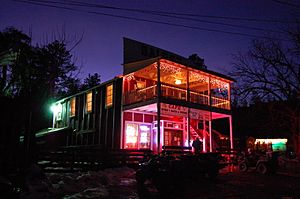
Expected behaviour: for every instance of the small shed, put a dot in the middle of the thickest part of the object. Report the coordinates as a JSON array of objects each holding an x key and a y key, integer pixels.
[{"x": 264, "y": 144}]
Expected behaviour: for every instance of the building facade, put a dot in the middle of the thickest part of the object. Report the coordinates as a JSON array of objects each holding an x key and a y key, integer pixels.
[{"x": 157, "y": 102}]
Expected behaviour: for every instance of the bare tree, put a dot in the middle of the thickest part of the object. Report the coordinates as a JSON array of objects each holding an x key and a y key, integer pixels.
[
  {"x": 91, "y": 81},
  {"x": 270, "y": 71}
]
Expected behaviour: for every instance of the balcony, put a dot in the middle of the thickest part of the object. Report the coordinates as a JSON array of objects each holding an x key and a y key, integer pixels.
[
  {"x": 171, "y": 92},
  {"x": 177, "y": 82}
]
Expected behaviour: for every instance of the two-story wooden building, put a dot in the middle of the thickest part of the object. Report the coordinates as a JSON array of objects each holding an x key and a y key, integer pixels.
[{"x": 160, "y": 101}]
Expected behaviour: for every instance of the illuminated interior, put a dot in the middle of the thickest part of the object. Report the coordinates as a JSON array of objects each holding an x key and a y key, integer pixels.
[
  {"x": 176, "y": 80},
  {"x": 278, "y": 144},
  {"x": 137, "y": 136},
  {"x": 140, "y": 125},
  {"x": 131, "y": 136},
  {"x": 109, "y": 96},
  {"x": 73, "y": 107},
  {"x": 89, "y": 102},
  {"x": 179, "y": 125}
]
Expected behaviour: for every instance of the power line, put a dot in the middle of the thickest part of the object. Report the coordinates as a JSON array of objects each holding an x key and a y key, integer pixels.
[
  {"x": 44, "y": 3},
  {"x": 193, "y": 15},
  {"x": 172, "y": 14},
  {"x": 287, "y": 3},
  {"x": 189, "y": 14},
  {"x": 158, "y": 13}
]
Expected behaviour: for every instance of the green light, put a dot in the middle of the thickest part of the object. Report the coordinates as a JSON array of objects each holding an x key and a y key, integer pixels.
[{"x": 279, "y": 147}]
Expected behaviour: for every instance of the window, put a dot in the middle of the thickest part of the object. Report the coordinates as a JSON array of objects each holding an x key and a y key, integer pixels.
[
  {"x": 144, "y": 136},
  {"x": 89, "y": 102},
  {"x": 137, "y": 136},
  {"x": 131, "y": 136},
  {"x": 73, "y": 107},
  {"x": 57, "y": 110},
  {"x": 109, "y": 95}
]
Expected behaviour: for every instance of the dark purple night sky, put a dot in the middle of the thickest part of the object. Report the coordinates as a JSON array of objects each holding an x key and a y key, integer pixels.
[{"x": 101, "y": 48}]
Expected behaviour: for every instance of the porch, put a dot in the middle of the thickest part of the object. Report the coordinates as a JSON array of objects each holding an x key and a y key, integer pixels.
[{"x": 145, "y": 127}]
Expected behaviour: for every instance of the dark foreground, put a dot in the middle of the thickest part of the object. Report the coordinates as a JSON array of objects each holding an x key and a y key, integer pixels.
[
  {"x": 120, "y": 183},
  {"x": 233, "y": 185}
]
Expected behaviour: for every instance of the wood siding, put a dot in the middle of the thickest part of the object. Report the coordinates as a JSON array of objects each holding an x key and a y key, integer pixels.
[{"x": 101, "y": 126}]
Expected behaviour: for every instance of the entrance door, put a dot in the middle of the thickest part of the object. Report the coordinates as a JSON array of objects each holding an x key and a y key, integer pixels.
[{"x": 173, "y": 138}]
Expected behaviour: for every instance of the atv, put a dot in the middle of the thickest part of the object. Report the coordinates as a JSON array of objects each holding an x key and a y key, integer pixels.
[
  {"x": 262, "y": 163},
  {"x": 168, "y": 172}
]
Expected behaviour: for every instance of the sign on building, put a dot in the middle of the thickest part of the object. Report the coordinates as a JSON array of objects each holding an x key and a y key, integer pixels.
[{"x": 174, "y": 110}]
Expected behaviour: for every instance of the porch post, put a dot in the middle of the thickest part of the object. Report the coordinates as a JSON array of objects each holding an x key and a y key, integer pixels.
[
  {"x": 122, "y": 131},
  {"x": 188, "y": 99},
  {"x": 230, "y": 130},
  {"x": 122, "y": 114},
  {"x": 188, "y": 128},
  {"x": 210, "y": 132},
  {"x": 210, "y": 116},
  {"x": 204, "y": 137},
  {"x": 158, "y": 105}
]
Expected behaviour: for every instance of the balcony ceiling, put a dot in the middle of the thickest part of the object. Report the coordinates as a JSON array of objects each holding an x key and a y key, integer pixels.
[
  {"x": 141, "y": 65},
  {"x": 152, "y": 109}
]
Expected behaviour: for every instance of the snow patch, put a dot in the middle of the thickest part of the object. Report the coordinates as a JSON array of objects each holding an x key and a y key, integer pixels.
[{"x": 108, "y": 183}]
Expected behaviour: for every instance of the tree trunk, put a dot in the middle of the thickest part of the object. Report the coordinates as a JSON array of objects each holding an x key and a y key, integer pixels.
[
  {"x": 4, "y": 77},
  {"x": 297, "y": 131}
]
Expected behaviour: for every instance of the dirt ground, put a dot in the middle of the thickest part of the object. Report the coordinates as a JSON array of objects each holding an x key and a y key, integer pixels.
[
  {"x": 120, "y": 183},
  {"x": 233, "y": 185}
]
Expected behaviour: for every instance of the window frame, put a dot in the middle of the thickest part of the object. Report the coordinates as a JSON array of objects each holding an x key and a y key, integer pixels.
[
  {"x": 73, "y": 113},
  {"x": 138, "y": 135},
  {"x": 107, "y": 96},
  {"x": 89, "y": 102}
]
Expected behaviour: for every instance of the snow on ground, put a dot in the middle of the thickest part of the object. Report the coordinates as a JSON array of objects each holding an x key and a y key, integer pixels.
[{"x": 116, "y": 183}]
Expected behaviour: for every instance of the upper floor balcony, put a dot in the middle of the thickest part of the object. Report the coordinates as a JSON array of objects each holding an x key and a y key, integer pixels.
[{"x": 176, "y": 81}]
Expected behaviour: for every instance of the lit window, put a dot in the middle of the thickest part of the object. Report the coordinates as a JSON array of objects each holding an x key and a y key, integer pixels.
[
  {"x": 89, "y": 102},
  {"x": 131, "y": 136},
  {"x": 137, "y": 136},
  {"x": 57, "y": 111},
  {"x": 144, "y": 141},
  {"x": 73, "y": 107},
  {"x": 109, "y": 95}
]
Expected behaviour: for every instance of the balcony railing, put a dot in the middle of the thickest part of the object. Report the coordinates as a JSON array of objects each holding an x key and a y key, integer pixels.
[
  {"x": 140, "y": 95},
  {"x": 220, "y": 103},
  {"x": 174, "y": 93},
  {"x": 199, "y": 98}
]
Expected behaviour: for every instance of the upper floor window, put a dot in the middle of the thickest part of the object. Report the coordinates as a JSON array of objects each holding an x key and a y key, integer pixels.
[
  {"x": 73, "y": 107},
  {"x": 109, "y": 96},
  {"x": 89, "y": 102}
]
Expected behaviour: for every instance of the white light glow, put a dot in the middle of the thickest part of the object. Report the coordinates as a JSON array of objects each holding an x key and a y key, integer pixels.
[
  {"x": 130, "y": 131},
  {"x": 177, "y": 126},
  {"x": 177, "y": 81},
  {"x": 56, "y": 108},
  {"x": 273, "y": 141},
  {"x": 144, "y": 128},
  {"x": 144, "y": 138}
]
